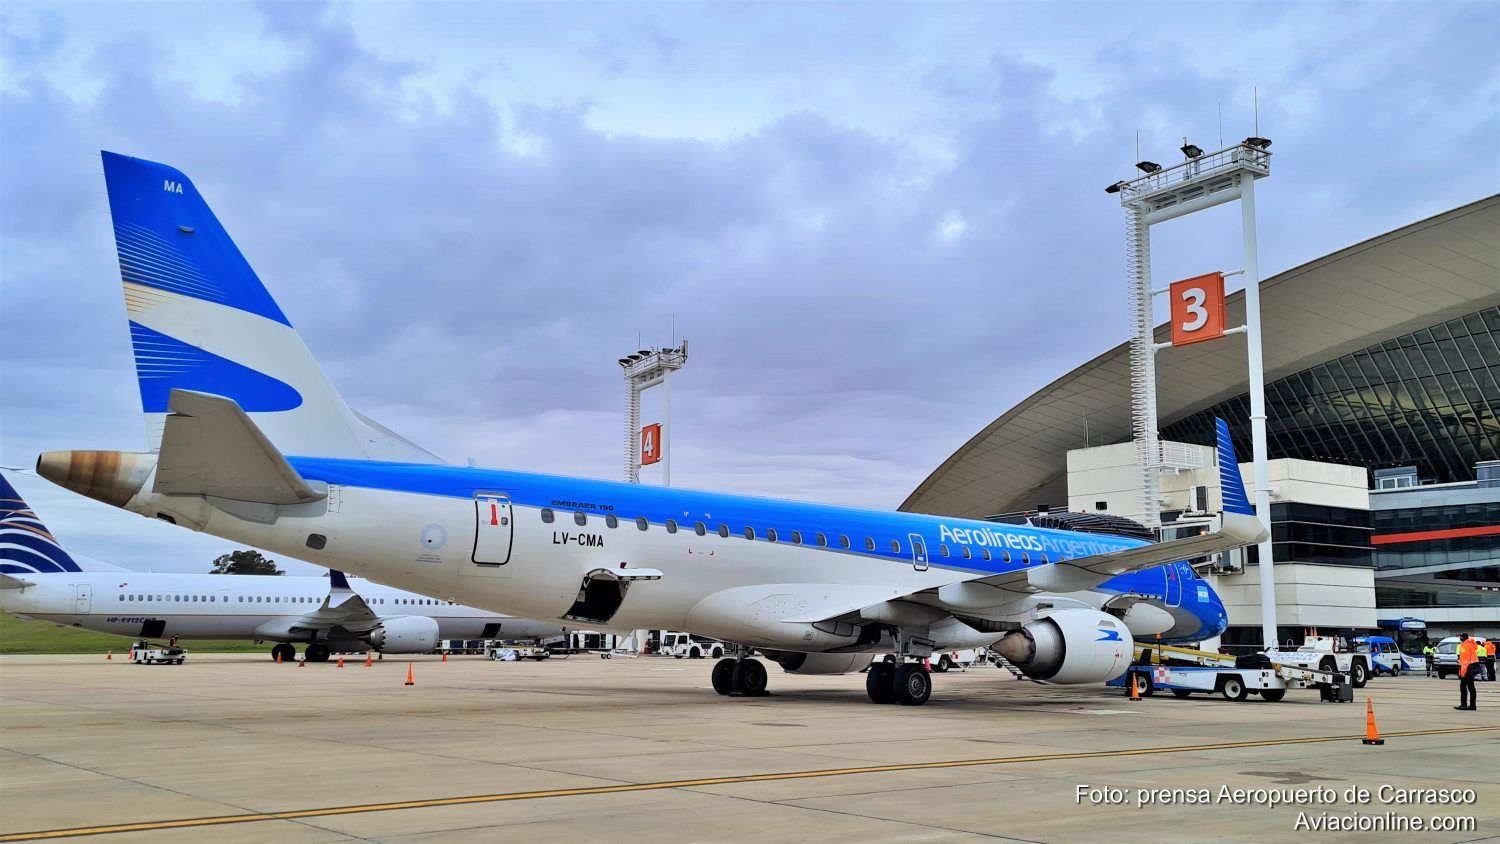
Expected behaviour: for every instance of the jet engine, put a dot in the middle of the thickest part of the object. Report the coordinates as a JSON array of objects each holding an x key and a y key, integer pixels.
[
  {"x": 1070, "y": 646},
  {"x": 406, "y": 634},
  {"x": 793, "y": 662}
]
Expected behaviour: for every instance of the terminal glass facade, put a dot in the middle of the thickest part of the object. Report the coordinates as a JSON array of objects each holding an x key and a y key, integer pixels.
[{"x": 1429, "y": 399}]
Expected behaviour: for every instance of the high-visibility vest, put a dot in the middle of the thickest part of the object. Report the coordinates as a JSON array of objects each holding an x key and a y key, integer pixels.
[
  {"x": 1468, "y": 654},
  {"x": 1489, "y": 649}
]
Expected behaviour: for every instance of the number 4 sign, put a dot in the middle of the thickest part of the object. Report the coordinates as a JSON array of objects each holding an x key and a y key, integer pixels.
[
  {"x": 1197, "y": 309},
  {"x": 651, "y": 444}
]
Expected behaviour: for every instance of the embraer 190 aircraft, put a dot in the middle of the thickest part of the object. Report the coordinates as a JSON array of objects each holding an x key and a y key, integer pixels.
[
  {"x": 249, "y": 441},
  {"x": 40, "y": 580}
]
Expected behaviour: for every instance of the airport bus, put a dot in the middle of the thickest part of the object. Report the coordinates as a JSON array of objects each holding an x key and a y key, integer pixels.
[{"x": 1410, "y": 634}]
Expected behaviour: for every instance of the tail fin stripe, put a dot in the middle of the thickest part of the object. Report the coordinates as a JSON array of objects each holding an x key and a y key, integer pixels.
[
  {"x": 147, "y": 259},
  {"x": 175, "y": 364}
]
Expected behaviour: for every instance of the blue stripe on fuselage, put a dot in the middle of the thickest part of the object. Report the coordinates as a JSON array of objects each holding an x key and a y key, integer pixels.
[{"x": 687, "y": 507}]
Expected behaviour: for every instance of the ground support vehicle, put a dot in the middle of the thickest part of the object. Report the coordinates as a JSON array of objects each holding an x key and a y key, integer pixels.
[
  {"x": 1183, "y": 671},
  {"x": 680, "y": 645},
  {"x": 511, "y": 653},
  {"x": 144, "y": 654},
  {"x": 1322, "y": 653},
  {"x": 1385, "y": 656}
]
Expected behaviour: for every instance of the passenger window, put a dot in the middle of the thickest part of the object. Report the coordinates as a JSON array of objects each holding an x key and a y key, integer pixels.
[
  {"x": 770, "y": 534},
  {"x": 1005, "y": 555},
  {"x": 822, "y": 540},
  {"x": 895, "y": 546},
  {"x": 797, "y": 537},
  {"x": 611, "y": 521},
  {"x": 844, "y": 541},
  {"x": 700, "y": 529},
  {"x": 869, "y": 544},
  {"x": 967, "y": 555},
  {"x": 985, "y": 552},
  {"x": 671, "y": 525},
  {"x": 641, "y": 523},
  {"x": 943, "y": 549},
  {"x": 749, "y": 532},
  {"x": 1025, "y": 558},
  {"x": 580, "y": 518},
  {"x": 546, "y": 515},
  {"x": 122, "y": 597},
  {"x": 724, "y": 531}
]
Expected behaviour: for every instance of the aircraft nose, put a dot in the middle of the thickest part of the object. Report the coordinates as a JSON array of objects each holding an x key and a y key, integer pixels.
[{"x": 113, "y": 477}]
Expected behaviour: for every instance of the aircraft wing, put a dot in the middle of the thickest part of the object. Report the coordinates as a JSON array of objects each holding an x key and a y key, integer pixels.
[{"x": 343, "y": 608}]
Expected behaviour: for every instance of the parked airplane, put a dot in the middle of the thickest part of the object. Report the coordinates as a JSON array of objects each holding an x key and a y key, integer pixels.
[
  {"x": 40, "y": 580},
  {"x": 250, "y": 441}
]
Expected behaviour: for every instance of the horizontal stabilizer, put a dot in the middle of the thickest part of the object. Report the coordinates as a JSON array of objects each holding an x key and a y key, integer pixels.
[
  {"x": 10, "y": 581},
  {"x": 211, "y": 447}
]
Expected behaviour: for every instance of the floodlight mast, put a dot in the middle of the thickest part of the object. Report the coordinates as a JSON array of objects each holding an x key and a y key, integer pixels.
[
  {"x": 1201, "y": 181},
  {"x": 643, "y": 370}
]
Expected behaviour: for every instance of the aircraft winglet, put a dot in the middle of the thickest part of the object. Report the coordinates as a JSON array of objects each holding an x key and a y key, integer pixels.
[{"x": 1231, "y": 485}]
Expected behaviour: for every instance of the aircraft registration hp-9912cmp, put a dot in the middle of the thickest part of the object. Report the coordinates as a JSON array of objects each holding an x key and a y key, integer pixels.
[
  {"x": 40, "y": 580},
  {"x": 250, "y": 441}
]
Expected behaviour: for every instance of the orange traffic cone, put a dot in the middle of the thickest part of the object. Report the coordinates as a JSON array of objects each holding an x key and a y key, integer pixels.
[
  {"x": 368, "y": 660},
  {"x": 1372, "y": 735},
  {"x": 302, "y": 663},
  {"x": 409, "y": 680},
  {"x": 341, "y": 662},
  {"x": 445, "y": 656},
  {"x": 109, "y": 654},
  {"x": 1135, "y": 690},
  {"x": 278, "y": 657}
]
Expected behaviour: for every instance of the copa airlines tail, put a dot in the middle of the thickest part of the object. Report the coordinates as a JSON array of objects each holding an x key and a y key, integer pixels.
[
  {"x": 41, "y": 581},
  {"x": 254, "y": 445},
  {"x": 201, "y": 320}
]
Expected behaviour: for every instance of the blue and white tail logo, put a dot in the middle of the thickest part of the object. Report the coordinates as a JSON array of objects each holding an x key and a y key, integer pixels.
[
  {"x": 1233, "y": 486},
  {"x": 26, "y": 546}
]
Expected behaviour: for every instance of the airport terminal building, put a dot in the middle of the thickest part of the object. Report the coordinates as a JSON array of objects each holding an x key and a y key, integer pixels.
[{"x": 1383, "y": 400}]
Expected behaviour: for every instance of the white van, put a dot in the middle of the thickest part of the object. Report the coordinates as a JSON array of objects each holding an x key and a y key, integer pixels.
[{"x": 1445, "y": 660}]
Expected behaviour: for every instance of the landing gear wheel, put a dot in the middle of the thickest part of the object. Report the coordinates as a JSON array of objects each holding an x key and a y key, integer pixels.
[
  {"x": 942, "y": 665},
  {"x": 912, "y": 685},
  {"x": 285, "y": 652},
  {"x": 723, "y": 676},
  {"x": 1234, "y": 689},
  {"x": 878, "y": 683},
  {"x": 316, "y": 652},
  {"x": 1358, "y": 674},
  {"x": 749, "y": 678},
  {"x": 1181, "y": 692},
  {"x": 1272, "y": 695}
]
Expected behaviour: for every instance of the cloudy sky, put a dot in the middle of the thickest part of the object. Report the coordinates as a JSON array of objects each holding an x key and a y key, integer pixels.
[{"x": 879, "y": 225}]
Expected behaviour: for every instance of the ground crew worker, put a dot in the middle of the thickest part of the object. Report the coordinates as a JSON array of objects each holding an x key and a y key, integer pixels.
[
  {"x": 1429, "y": 655},
  {"x": 1488, "y": 658},
  {"x": 1468, "y": 670}
]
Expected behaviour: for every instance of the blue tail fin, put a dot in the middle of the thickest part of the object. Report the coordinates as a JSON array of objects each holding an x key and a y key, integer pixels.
[
  {"x": 1232, "y": 486},
  {"x": 26, "y": 546},
  {"x": 201, "y": 320}
]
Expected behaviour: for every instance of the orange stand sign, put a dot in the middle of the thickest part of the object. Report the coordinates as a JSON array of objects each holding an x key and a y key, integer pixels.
[
  {"x": 651, "y": 444},
  {"x": 1197, "y": 309}
]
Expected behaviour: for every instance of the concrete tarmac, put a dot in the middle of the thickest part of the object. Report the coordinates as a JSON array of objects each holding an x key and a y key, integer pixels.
[{"x": 237, "y": 748}]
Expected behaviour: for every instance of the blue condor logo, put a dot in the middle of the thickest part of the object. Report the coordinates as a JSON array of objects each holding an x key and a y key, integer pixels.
[
  {"x": 988, "y": 537},
  {"x": 1107, "y": 633}
]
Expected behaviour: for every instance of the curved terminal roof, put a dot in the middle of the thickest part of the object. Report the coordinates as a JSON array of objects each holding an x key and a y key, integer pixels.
[{"x": 1383, "y": 288}]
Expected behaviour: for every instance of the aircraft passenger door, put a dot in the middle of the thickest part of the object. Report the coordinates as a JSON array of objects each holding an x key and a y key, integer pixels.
[
  {"x": 83, "y": 599},
  {"x": 493, "y": 530},
  {"x": 918, "y": 551},
  {"x": 1172, "y": 595}
]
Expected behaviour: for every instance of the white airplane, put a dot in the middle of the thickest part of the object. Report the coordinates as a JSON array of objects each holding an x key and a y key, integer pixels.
[
  {"x": 39, "y": 580},
  {"x": 250, "y": 441}
]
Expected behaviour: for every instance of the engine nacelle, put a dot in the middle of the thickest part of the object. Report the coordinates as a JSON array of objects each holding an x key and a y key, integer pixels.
[
  {"x": 406, "y": 634},
  {"x": 1070, "y": 646},
  {"x": 793, "y": 662}
]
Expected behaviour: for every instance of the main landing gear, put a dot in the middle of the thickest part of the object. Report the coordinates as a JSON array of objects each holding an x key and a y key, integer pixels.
[
  {"x": 744, "y": 677},
  {"x": 284, "y": 652},
  {"x": 908, "y": 684}
]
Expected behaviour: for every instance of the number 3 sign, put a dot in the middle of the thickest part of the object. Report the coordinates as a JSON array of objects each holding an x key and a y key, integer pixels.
[{"x": 1197, "y": 309}]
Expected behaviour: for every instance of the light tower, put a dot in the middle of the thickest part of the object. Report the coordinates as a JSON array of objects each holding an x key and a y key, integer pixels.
[
  {"x": 643, "y": 370},
  {"x": 1200, "y": 182}
]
